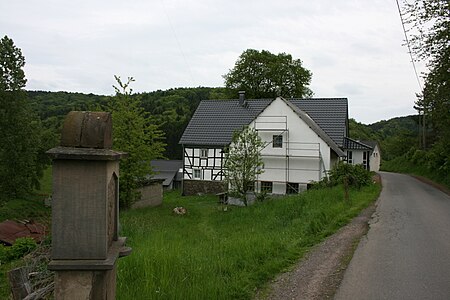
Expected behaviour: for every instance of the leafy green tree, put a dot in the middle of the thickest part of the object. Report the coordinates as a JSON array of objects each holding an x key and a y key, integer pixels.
[
  {"x": 266, "y": 75},
  {"x": 134, "y": 133},
  {"x": 243, "y": 161},
  {"x": 20, "y": 138},
  {"x": 359, "y": 131},
  {"x": 430, "y": 35},
  {"x": 11, "y": 63}
]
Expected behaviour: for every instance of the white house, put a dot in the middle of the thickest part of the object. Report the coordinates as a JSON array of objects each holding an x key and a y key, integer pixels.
[
  {"x": 304, "y": 139},
  {"x": 365, "y": 153}
]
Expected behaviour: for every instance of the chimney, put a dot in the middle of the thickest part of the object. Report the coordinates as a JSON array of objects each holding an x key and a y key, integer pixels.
[{"x": 242, "y": 101}]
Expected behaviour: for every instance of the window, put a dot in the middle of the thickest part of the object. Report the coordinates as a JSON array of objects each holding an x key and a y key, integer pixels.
[
  {"x": 203, "y": 153},
  {"x": 366, "y": 160},
  {"x": 350, "y": 157},
  {"x": 291, "y": 188},
  {"x": 251, "y": 187},
  {"x": 277, "y": 141},
  {"x": 266, "y": 187},
  {"x": 197, "y": 174}
]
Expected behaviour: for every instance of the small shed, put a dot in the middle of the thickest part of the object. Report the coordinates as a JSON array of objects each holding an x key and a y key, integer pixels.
[{"x": 151, "y": 194}]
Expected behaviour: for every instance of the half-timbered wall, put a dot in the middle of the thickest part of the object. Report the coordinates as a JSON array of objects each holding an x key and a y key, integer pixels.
[{"x": 202, "y": 163}]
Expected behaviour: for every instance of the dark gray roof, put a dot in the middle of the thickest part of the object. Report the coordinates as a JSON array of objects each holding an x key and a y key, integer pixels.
[
  {"x": 352, "y": 144},
  {"x": 214, "y": 121},
  {"x": 166, "y": 165},
  {"x": 372, "y": 144},
  {"x": 329, "y": 113},
  {"x": 315, "y": 127},
  {"x": 166, "y": 169}
]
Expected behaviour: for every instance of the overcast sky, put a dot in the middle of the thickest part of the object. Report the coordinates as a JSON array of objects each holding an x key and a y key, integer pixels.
[{"x": 353, "y": 47}]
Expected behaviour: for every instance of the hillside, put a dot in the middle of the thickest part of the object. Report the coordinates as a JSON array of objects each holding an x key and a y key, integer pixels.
[
  {"x": 173, "y": 108},
  {"x": 395, "y": 136}
]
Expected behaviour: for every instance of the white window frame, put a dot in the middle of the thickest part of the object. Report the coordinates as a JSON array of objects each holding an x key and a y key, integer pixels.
[
  {"x": 204, "y": 153},
  {"x": 195, "y": 175},
  {"x": 365, "y": 162},
  {"x": 350, "y": 157}
]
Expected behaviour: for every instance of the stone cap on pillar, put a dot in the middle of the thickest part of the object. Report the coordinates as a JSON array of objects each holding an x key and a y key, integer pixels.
[
  {"x": 84, "y": 129},
  {"x": 86, "y": 136}
]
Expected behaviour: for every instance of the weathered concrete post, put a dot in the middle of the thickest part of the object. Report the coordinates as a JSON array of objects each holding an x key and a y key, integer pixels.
[{"x": 85, "y": 209}]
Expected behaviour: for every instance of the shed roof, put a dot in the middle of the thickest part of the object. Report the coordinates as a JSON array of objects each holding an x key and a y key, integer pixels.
[
  {"x": 352, "y": 144},
  {"x": 214, "y": 121},
  {"x": 372, "y": 144},
  {"x": 12, "y": 230},
  {"x": 166, "y": 170}
]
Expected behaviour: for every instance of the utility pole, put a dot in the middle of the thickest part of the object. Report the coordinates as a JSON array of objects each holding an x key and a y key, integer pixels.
[{"x": 424, "y": 130}]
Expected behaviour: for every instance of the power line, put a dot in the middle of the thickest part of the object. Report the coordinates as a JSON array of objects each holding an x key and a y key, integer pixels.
[
  {"x": 407, "y": 44},
  {"x": 178, "y": 42}
]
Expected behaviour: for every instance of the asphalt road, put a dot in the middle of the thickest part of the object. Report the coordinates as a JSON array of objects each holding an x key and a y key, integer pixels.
[{"x": 406, "y": 253}]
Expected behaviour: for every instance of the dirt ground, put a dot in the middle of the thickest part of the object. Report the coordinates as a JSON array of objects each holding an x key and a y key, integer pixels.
[{"x": 319, "y": 273}]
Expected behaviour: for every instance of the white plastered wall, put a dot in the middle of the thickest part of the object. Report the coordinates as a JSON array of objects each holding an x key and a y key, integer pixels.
[
  {"x": 375, "y": 159},
  {"x": 305, "y": 146}
]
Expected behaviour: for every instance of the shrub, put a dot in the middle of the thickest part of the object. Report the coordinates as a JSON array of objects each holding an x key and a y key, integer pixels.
[
  {"x": 21, "y": 247},
  {"x": 354, "y": 175}
]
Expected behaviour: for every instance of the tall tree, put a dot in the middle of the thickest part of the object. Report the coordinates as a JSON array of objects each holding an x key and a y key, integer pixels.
[
  {"x": 134, "y": 133},
  {"x": 430, "y": 35},
  {"x": 243, "y": 161},
  {"x": 20, "y": 129},
  {"x": 262, "y": 74}
]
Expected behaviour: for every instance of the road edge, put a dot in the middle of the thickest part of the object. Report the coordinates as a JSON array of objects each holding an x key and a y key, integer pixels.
[{"x": 319, "y": 273}]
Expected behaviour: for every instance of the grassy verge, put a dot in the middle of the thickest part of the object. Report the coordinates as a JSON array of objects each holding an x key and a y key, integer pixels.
[
  {"x": 31, "y": 208},
  {"x": 403, "y": 165},
  {"x": 214, "y": 254}
]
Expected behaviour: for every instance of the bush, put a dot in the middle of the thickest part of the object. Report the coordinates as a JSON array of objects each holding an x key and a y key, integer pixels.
[
  {"x": 353, "y": 175},
  {"x": 21, "y": 247}
]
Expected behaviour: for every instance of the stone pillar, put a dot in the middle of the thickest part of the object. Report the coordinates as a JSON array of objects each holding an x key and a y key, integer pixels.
[{"x": 85, "y": 209}]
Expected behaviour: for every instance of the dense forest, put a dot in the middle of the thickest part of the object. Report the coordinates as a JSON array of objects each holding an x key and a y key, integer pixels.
[
  {"x": 172, "y": 109},
  {"x": 395, "y": 136}
]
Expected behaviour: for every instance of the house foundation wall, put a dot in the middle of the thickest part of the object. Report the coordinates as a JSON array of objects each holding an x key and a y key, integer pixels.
[{"x": 195, "y": 187}]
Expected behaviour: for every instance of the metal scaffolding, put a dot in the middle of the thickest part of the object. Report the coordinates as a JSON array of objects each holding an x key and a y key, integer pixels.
[{"x": 277, "y": 125}]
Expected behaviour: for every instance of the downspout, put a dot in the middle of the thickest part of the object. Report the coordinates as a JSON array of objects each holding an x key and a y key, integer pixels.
[{"x": 182, "y": 177}]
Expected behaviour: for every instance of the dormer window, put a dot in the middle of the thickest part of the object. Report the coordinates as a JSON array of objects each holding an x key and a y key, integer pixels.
[{"x": 277, "y": 141}]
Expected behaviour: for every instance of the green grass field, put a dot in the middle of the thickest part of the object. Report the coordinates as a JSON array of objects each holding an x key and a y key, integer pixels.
[{"x": 210, "y": 253}]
